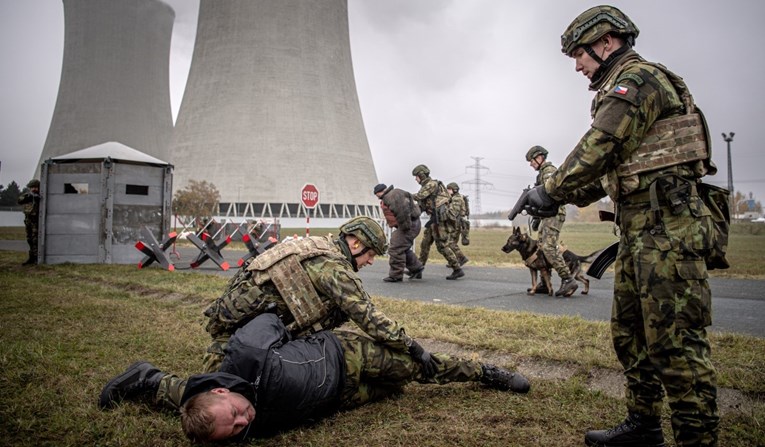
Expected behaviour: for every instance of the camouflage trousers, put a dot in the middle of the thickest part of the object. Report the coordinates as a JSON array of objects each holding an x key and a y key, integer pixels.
[
  {"x": 374, "y": 371},
  {"x": 661, "y": 308},
  {"x": 401, "y": 256},
  {"x": 549, "y": 232},
  {"x": 425, "y": 244},
  {"x": 31, "y": 227}
]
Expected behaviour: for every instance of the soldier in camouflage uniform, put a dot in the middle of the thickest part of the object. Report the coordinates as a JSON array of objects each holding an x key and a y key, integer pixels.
[
  {"x": 434, "y": 200},
  {"x": 550, "y": 227},
  {"x": 647, "y": 149},
  {"x": 30, "y": 202},
  {"x": 307, "y": 378},
  {"x": 456, "y": 211},
  {"x": 311, "y": 284}
]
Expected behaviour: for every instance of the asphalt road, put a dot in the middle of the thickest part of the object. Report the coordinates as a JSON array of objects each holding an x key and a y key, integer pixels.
[{"x": 738, "y": 304}]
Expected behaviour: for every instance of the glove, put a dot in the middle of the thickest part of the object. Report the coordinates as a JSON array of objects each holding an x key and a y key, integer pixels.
[
  {"x": 540, "y": 204},
  {"x": 428, "y": 362}
]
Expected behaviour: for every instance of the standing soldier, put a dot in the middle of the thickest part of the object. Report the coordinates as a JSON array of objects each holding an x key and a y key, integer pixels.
[
  {"x": 456, "y": 212},
  {"x": 647, "y": 149},
  {"x": 434, "y": 200},
  {"x": 30, "y": 202},
  {"x": 403, "y": 215},
  {"x": 550, "y": 227}
]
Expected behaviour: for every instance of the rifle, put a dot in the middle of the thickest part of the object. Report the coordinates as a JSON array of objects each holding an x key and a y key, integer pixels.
[{"x": 520, "y": 205}]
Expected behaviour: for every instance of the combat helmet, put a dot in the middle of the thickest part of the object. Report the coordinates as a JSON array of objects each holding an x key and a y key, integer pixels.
[
  {"x": 421, "y": 170},
  {"x": 453, "y": 186},
  {"x": 34, "y": 183},
  {"x": 534, "y": 151},
  {"x": 369, "y": 232},
  {"x": 595, "y": 23}
]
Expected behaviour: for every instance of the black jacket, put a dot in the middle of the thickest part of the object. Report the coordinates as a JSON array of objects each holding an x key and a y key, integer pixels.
[{"x": 289, "y": 382}]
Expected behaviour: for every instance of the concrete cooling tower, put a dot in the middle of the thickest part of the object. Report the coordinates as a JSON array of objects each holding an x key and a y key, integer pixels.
[
  {"x": 114, "y": 77},
  {"x": 270, "y": 105}
]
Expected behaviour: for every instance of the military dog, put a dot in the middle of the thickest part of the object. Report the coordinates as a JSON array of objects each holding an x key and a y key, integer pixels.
[{"x": 535, "y": 260}]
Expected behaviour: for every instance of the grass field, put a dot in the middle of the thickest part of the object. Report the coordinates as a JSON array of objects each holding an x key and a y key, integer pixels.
[{"x": 67, "y": 329}]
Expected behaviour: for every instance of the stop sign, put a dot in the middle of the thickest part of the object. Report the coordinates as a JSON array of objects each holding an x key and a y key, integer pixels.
[{"x": 309, "y": 195}]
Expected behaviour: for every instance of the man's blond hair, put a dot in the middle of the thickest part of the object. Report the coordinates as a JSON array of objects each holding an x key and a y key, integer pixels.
[{"x": 197, "y": 420}]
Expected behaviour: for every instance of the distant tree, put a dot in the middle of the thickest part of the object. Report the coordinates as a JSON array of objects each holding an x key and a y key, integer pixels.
[
  {"x": 745, "y": 203},
  {"x": 9, "y": 195},
  {"x": 198, "y": 199}
]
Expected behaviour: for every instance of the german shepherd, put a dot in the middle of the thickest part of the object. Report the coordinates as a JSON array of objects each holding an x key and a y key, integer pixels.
[{"x": 530, "y": 252}]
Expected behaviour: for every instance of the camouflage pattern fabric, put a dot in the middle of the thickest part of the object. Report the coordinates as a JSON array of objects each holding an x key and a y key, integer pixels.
[
  {"x": 374, "y": 371},
  {"x": 425, "y": 244},
  {"x": 549, "y": 228},
  {"x": 334, "y": 280},
  {"x": 456, "y": 212},
  {"x": 662, "y": 301},
  {"x": 30, "y": 204}
]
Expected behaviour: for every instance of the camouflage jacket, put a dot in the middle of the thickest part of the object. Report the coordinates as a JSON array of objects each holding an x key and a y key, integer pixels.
[
  {"x": 457, "y": 209},
  {"x": 632, "y": 96},
  {"x": 30, "y": 204},
  {"x": 253, "y": 292},
  {"x": 432, "y": 195},
  {"x": 546, "y": 170}
]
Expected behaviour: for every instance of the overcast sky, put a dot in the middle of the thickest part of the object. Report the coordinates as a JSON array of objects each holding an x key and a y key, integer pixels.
[{"x": 443, "y": 82}]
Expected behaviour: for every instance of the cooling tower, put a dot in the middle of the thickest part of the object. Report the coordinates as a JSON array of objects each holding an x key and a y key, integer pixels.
[
  {"x": 114, "y": 77},
  {"x": 271, "y": 105}
]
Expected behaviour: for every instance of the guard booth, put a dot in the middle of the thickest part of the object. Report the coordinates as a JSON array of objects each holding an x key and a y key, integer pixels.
[{"x": 95, "y": 201}]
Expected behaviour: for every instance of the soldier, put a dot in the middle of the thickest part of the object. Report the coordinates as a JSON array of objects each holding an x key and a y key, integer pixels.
[
  {"x": 311, "y": 284},
  {"x": 269, "y": 382},
  {"x": 456, "y": 211},
  {"x": 550, "y": 227},
  {"x": 403, "y": 215},
  {"x": 30, "y": 201},
  {"x": 434, "y": 199},
  {"x": 647, "y": 150}
]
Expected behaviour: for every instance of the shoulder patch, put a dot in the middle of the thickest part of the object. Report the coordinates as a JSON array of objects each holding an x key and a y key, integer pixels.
[{"x": 631, "y": 77}]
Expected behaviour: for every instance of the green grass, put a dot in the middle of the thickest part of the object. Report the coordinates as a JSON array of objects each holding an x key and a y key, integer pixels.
[{"x": 67, "y": 329}]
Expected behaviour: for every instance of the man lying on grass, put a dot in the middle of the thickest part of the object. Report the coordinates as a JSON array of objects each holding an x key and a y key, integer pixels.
[{"x": 292, "y": 382}]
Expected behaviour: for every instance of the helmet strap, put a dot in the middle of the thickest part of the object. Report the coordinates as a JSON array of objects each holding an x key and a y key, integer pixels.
[
  {"x": 605, "y": 65},
  {"x": 346, "y": 250}
]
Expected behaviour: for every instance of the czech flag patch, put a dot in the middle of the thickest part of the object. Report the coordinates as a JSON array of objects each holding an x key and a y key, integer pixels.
[{"x": 621, "y": 90}]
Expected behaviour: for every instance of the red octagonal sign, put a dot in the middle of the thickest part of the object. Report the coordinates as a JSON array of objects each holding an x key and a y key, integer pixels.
[{"x": 309, "y": 195}]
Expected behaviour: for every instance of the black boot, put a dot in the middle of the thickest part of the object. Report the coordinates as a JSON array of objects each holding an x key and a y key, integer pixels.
[
  {"x": 502, "y": 379},
  {"x": 567, "y": 287},
  {"x": 636, "y": 431},
  {"x": 392, "y": 279},
  {"x": 140, "y": 380},
  {"x": 457, "y": 273}
]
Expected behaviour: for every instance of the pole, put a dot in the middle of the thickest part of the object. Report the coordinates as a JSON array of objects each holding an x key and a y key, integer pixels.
[
  {"x": 728, "y": 139},
  {"x": 308, "y": 223}
]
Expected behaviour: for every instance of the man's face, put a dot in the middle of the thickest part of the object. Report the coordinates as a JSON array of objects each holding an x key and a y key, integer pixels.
[
  {"x": 379, "y": 194},
  {"x": 417, "y": 179},
  {"x": 367, "y": 258},
  {"x": 233, "y": 412},
  {"x": 536, "y": 162},
  {"x": 584, "y": 63}
]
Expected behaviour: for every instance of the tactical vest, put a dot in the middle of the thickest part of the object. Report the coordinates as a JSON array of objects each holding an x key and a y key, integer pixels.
[
  {"x": 282, "y": 266},
  {"x": 670, "y": 142}
]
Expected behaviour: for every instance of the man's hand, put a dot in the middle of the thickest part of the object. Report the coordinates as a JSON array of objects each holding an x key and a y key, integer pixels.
[
  {"x": 429, "y": 363},
  {"x": 539, "y": 204}
]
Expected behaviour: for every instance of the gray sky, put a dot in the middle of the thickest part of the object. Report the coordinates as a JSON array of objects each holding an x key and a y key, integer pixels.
[{"x": 442, "y": 81}]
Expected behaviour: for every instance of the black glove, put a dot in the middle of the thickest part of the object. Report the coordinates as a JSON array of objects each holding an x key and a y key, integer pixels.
[
  {"x": 429, "y": 363},
  {"x": 540, "y": 204}
]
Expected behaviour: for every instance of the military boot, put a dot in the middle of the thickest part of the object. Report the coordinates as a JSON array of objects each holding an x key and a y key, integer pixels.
[
  {"x": 416, "y": 274},
  {"x": 567, "y": 287},
  {"x": 139, "y": 381},
  {"x": 502, "y": 379},
  {"x": 636, "y": 431},
  {"x": 457, "y": 273}
]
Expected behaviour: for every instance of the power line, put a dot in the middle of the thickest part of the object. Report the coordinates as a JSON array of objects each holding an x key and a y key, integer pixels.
[{"x": 477, "y": 183}]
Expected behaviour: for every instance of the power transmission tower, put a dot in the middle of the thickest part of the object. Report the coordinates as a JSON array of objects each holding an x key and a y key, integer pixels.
[{"x": 477, "y": 183}]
